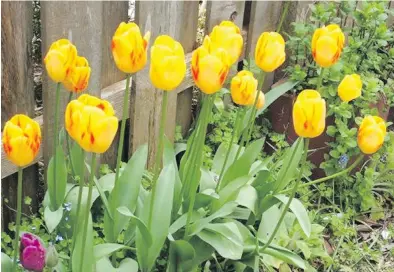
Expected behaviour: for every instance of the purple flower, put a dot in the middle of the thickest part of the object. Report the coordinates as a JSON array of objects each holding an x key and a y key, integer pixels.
[{"x": 32, "y": 253}]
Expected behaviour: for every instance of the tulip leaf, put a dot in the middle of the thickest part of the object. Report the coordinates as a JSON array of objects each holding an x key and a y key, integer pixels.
[
  {"x": 286, "y": 256},
  {"x": 181, "y": 256},
  {"x": 248, "y": 197},
  {"x": 107, "y": 182},
  {"x": 241, "y": 167},
  {"x": 83, "y": 260},
  {"x": 103, "y": 250},
  {"x": 6, "y": 262},
  {"x": 77, "y": 159},
  {"x": 52, "y": 219},
  {"x": 220, "y": 156},
  {"x": 57, "y": 181},
  {"x": 160, "y": 216},
  {"x": 125, "y": 193},
  {"x": 127, "y": 265}
]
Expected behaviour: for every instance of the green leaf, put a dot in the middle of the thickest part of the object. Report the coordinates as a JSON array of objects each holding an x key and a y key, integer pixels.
[
  {"x": 242, "y": 166},
  {"x": 276, "y": 92},
  {"x": 225, "y": 238},
  {"x": 220, "y": 156},
  {"x": 57, "y": 191},
  {"x": 205, "y": 198},
  {"x": 6, "y": 262},
  {"x": 286, "y": 256},
  {"x": 229, "y": 193},
  {"x": 268, "y": 222},
  {"x": 86, "y": 256},
  {"x": 181, "y": 222},
  {"x": 303, "y": 246},
  {"x": 52, "y": 219},
  {"x": 103, "y": 197},
  {"x": 289, "y": 167},
  {"x": 125, "y": 193},
  {"x": 207, "y": 181},
  {"x": 107, "y": 182},
  {"x": 203, "y": 250},
  {"x": 77, "y": 159},
  {"x": 161, "y": 218},
  {"x": 248, "y": 197},
  {"x": 141, "y": 226},
  {"x": 103, "y": 250},
  {"x": 181, "y": 256},
  {"x": 219, "y": 104},
  {"x": 127, "y": 265},
  {"x": 299, "y": 211}
]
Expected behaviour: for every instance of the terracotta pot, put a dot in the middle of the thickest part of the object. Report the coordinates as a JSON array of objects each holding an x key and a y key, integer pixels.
[{"x": 280, "y": 115}]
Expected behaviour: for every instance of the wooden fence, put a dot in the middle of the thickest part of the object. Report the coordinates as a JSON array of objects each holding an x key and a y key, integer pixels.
[{"x": 90, "y": 26}]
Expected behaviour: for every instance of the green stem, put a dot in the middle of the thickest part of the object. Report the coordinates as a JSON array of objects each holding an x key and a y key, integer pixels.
[
  {"x": 237, "y": 119},
  {"x": 122, "y": 127},
  {"x": 68, "y": 143},
  {"x": 159, "y": 153},
  {"x": 18, "y": 218},
  {"x": 293, "y": 192},
  {"x": 55, "y": 139},
  {"x": 320, "y": 80},
  {"x": 284, "y": 13},
  {"x": 81, "y": 183},
  {"x": 350, "y": 168},
  {"x": 87, "y": 209}
]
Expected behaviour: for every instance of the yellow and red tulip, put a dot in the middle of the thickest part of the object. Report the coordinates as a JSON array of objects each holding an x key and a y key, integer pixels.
[
  {"x": 59, "y": 60},
  {"x": 77, "y": 80},
  {"x": 243, "y": 88},
  {"x": 371, "y": 134},
  {"x": 270, "y": 51}
]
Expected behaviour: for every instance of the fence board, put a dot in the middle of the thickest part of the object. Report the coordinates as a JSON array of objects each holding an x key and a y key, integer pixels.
[
  {"x": 17, "y": 94},
  {"x": 218, "y": 11},
  {"x": 146, "y": 101},
  {"x": 114, "y": 12}
]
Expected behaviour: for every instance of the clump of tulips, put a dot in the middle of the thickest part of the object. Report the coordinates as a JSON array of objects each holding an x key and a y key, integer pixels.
[{"x": 146, "y": 216}]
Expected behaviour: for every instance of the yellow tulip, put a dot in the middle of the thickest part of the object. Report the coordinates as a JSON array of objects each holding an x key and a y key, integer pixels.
[
  {"x": 21, "y": 139},
  {"x": 371, "y": 134},
  {"x": 327, "y": 45},
  {"x": 167, "y": 65},
  {"x": 270, "y": 51},
  {"x": 260, "y": 101},
  {"x": 78, "y": 78},
  {"x": 129, "y": 47},
  {"x": 309, "y": 114},
  {"x": 243, "y": 88},
  {"x": 91, "y": 122},
  {"x": 209, "y": 67},
  {"x": 228, "y": 36},
  {"x": 60, "y": 58},
  {"x": 350, "y": 87}
]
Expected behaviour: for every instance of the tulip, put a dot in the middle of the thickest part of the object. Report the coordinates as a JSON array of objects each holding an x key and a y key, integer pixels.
[
  {"x": 228, "y": 36},
  {"x": 327, "y": 45},
  {"x": 350, "y": 87},
  {"x": 243, "y": 88},
  {"x": 309, "y": 114},
  {"x": 78, "y": 78},
  {"x": 32, "y": 253},
  {"x": 21, "y": 139},
  {"x": 167, "y": 66},
  {"x": 260, "y": 101},
  {"x": 210, "y": 67},
  {"x": 270, "y": 51},
  {"x": 129, "y": 47},
  {"x": 51, "y": 257},
  {"x": 60, "y": 58},
  {"x": 91, "y": 122},
  {"x": 371, "y": 134}
]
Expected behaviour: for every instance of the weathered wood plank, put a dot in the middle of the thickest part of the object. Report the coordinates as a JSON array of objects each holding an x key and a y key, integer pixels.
[
  {"x": 17, "y": 94},
  {"x": 218, "y": 11},
  {"x": 146, "y": 100},
  {"x": 114, "y": 12}
]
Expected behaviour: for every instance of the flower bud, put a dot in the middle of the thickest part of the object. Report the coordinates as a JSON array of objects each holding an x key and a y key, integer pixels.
[
  {"x": 243, "y": 88},
  {"x": 270, "y": 51},
  {"x": 32, "y": 253},
  {"x": 371, "y": 134},
  {"x": 51, "y": 258},
  {"x": 60, "y": 58}
]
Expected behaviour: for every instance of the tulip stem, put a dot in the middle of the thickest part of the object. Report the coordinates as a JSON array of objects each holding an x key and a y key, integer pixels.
[
  {"x": 122, "y": 127},
  {"x": 18, "y": 218},
  {"x": 320, "y": 80},
  {"x": 55, "y": 141},
  {"x": 237, "y": 120},
  {"x": 68, "y": 143},
  {"x": 350, "y": 168},
  {"x": 284, "y": 13},
  {"x": 159, "y": 153},
  {"x": 87, "y": 209},
  {"x": 293, "y": 192},
  {"x": 81, "y": 183}
]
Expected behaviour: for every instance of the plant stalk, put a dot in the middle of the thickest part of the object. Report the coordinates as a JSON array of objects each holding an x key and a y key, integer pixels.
[
  {"x": 55, "y": 137},
  {"x": 18, "y": 219},
  {"x": 284, "y": 13},
  {"x": 87, "y": 210},
  {"x": 122, "y": 127},
  {"x": 293, "y": 192},
  {"x": 68, "y": 143},
  {"x": 320, "y": 80}
]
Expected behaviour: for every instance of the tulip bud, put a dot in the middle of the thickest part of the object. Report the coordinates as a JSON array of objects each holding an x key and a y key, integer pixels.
[
  {"x": 210, "y": 66},
  {"x": 32, "y": 253},
  {"x": 228, "y": 36},
  {"x": 260, "y": 101},
  {"x": 21, "y": 139},
  {"x": 309, "y": 114},
  {"x": 270, "y": 51},
  {"x": 91, "y": 122},
  {"x": 371, "y": 134},
  {"x": 78, "y": 78},
  {"x": 51, "y": 258},
  {"x": 167, "y": 65},
  {"x": 60, "y": 58},
  {"x": 129, "y": 48},
  {"x": 243, "y": 88},
  {"x": 327, "y": 45},
  {"x": 350, "y": 87}
]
